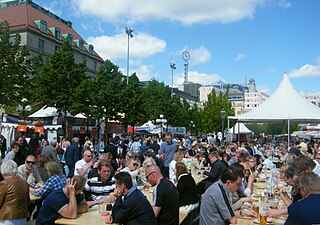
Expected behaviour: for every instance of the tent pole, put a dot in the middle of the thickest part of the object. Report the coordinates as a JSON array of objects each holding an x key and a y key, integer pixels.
[
  {"x": 288, "y": 133},
  {"x": 233, "y": 132},
  {"x": 239, "y": 132}
]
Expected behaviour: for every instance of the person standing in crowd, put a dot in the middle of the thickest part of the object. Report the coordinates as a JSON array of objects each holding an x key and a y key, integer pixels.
[
  {"x": 23, "y": 151},
  {"x": 3, "y": 146},
  {"x": 112, "y": 148},
  {"x": 216, "y": 205},
  {"x": 167, "y": 150},
  {"x": 43, "y": 144},
  {"x": 306, "y": 211},
  {"x": 12, "y": 154},
  {"x": 50, "y": 151},
  {"x": 154, "y": 144},
  {"x": 14, "y": 195},
  {"x": 131, "y": 206},
  {"x": 216, "y": 169},
  {"x": 33, "y": 144},
  {"x": 72, "y": 155},
  {"x": 29, "y": 172},
  {"x": 102, "y": 185},
  {"x": 83, "y": 166},
  {"x": 166, "y": 198},
  {"x": 66, "y": 202}
]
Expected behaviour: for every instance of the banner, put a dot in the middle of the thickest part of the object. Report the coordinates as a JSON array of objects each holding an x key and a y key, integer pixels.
[{"x": 6, "y": 118}]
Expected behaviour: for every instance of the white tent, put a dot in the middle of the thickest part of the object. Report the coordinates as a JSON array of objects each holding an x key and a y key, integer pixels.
[
  {"x": 240, "y": 128},
  {"x": 52, "y": 112},
  {"x": 284, "y": 105}
]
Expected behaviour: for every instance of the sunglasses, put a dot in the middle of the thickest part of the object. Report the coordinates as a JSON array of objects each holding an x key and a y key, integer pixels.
[
  {"x": 135, "y": 164},
  {"x": 149, "y": 175},
  {"x": 30, "y": 162}
]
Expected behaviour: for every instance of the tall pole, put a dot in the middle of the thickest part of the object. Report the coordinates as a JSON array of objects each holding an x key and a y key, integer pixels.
[
  {"x": 223, "y": 116},
  {"x": 173, "y": 67},
  {"x": 130, "y": 35}
]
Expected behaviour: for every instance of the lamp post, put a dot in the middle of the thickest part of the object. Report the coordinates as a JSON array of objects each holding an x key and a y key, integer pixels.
[
  {"x": 223, "y": 116},
  {"x": 161, "y": 121},
  {"x": 130, "y": 35},
  {"x": 173, "y": 67},
  {"x": 192, "y": 126}
]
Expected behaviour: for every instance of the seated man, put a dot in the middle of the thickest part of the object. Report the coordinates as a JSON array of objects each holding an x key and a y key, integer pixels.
[
  {"x": 216, "y": 203},
  {"x": 65, "y": 202},
  {"x": 134, "y": 208},
  {"x": 102, "y": 185},
  {"x": 166, "y": 198},
  {"x": 306, "y": 211},
  {"x": 29, "y": 172}
]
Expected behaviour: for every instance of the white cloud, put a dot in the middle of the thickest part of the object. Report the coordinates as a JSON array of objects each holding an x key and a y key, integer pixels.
[
  {"x": 284, "y": 4},
  {"x": 241, "y": 57},
  {"x": 185, "y": 12},
  {"x": 199, "y": 55},
  {"x": 144, "y": 72},
  {"x": 197, "y": 77},
  {"x": 142, "y": 45},
  {"x": 306, "y": 71}
]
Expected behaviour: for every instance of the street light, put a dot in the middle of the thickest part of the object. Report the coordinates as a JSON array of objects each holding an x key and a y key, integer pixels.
[
  {"x": 223, "y": 116},
  {"x": 161, "y": 121},
  {"x": 173, "y": 67},
  {"x": 130, "y": 35},
  {"x": 192, "y": 126}
]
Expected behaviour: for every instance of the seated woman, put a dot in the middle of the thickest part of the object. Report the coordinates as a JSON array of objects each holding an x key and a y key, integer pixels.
[
  {"x": 56, "y": 180},
  {"x": 189, "y": 198},
  {"x": 197, "y": 163},
  {"x": 177, "y": 157},
  {"x": 14, "y": 195}
]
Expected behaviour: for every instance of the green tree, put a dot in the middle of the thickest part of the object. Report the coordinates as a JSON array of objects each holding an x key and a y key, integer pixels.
[
  {"x": 134, "y": 111},
  {"x": 211, "y": 119},
  {"x": 156, "y": 100},
  {"x": 60, "y": 81},
  {"x": 13, "y": 67},
  {"x": 108, "y": 91}
]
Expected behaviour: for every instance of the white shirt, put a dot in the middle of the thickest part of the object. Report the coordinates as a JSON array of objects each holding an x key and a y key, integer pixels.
[
  {"x": 81, "y": 164},
  {"x": 172, "y": 175}
]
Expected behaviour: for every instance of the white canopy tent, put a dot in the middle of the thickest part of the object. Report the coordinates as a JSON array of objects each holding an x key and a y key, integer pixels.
[
  {"x": 284, "y": 105},
  {"x": 240, "y": 128},
  {"x": 52, "y": 112}
]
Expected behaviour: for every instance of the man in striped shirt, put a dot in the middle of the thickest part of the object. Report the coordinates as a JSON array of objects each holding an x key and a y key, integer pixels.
[{"x": 101, "y": 186}]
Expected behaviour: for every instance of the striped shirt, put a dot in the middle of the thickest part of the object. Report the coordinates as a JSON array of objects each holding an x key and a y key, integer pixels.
[{"x": 96, "y": 189}]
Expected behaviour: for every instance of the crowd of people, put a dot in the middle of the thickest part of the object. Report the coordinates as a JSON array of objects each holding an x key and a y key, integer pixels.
[{"x": 70, "y": 177}]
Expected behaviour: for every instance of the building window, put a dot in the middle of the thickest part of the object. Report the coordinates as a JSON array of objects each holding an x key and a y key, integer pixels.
[
  {"x": 42, "y": 26},
  {"x": 41, "y": 45},
  {"x": 57, "y": 34},
  {"x": 95, "y": 66}
]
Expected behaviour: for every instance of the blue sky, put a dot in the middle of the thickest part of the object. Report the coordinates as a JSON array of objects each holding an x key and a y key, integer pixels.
[{"x": 231, "y": 40}]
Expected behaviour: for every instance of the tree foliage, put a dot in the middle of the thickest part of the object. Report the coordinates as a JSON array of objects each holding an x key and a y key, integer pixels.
[
  {"x": 211, "y": 118},
  {"x": 107, "y": 92},
  {"x": 60, "y": 82},
  {"x": 13, "y": 67}
]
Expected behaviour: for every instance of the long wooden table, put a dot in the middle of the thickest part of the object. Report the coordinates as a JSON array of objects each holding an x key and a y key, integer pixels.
[{"x": 94, "y": 217}]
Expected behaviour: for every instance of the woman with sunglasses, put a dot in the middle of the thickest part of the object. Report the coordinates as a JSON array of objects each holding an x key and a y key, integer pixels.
[{"x": 133, "y": 169}]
